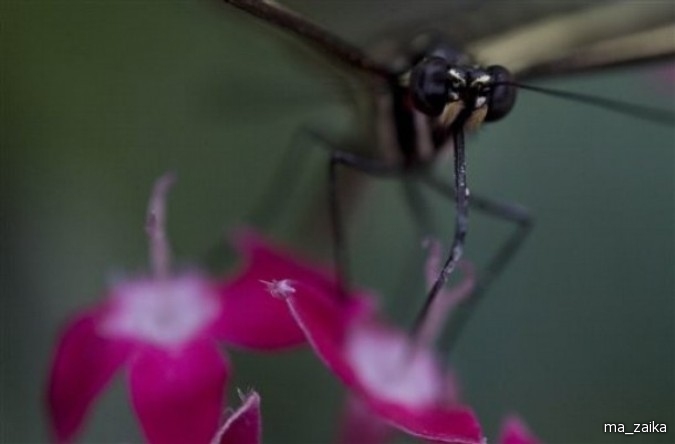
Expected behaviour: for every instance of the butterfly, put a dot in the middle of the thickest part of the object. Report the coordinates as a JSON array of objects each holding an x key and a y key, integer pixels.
[{"x": 429, "y": 83}]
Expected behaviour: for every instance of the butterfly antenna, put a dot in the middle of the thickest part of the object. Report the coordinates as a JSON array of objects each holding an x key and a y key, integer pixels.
[{"x": 655, "y": 115}]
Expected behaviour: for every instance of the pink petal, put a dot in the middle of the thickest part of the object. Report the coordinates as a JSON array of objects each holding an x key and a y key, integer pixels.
[
  {"x": 361, "y": 425},
  {"x": 439, "y": 423},
  {"x": 250, "y": 317},
  {"x": 178, "y": 393},
  {"x": 514, "y": 431},
  {"x": 83, "y": 364},
  {"x": 244, "y": 425},
  {"x": 328, "y": 324}
]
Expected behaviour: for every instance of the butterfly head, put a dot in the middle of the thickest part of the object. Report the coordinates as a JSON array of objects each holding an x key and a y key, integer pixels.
[{"x": 441, "y": 89}]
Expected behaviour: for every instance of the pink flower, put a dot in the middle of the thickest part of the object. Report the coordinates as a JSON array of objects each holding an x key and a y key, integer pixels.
[
  {"x": 164, "y": 329},
  {"x": 364, "y": 425},
  {"x": 397, "y": 378},
  {"x": 242, "y": 426}
]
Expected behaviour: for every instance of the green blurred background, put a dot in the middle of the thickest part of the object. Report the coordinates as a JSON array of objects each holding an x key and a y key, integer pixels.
[{"x": 100, "y": 98}]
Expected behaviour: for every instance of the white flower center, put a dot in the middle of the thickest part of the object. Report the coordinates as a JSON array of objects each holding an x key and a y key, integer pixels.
[
  {"x": 386, "y": 364},
  {"x": 165, "y": 312}
]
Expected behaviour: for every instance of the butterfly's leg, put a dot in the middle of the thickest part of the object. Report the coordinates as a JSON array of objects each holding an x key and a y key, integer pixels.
[
  {"x": 285, "y": 178},
  {"x": 503, "y": 210},
  {"x": 371, "y": 167},
  {"x": 281, "y": 186}
]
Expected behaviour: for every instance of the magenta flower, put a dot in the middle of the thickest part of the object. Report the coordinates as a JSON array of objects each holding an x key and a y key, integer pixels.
[
  {"x": 164, "y": 329},
  {"x": 364, "y": 425},
  {"x": 242, "y": 426},
  {"x": 388, "y": 373}
]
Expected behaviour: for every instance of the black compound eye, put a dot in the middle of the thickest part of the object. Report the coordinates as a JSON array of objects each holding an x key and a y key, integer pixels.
[
  {"x": 429, "y": 85},
  {"x": 501, "y": 97}
]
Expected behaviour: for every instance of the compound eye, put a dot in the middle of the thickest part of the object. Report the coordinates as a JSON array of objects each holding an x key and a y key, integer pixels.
[
  {"x": 429, "y": 86},
  {"x": 501, "y": 98}
]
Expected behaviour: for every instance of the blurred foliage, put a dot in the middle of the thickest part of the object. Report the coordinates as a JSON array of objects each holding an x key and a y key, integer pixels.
[{"x": 99, "y": 98}]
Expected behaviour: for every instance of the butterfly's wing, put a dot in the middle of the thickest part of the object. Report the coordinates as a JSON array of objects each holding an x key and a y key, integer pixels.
[
  {"x": 331, "y": 59},
  {"x": 463, "y": 23},
  {"x": 537, "y": 39},
  {"x": 583, "y": 40},
  {"x": 532, "y": 38}
]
